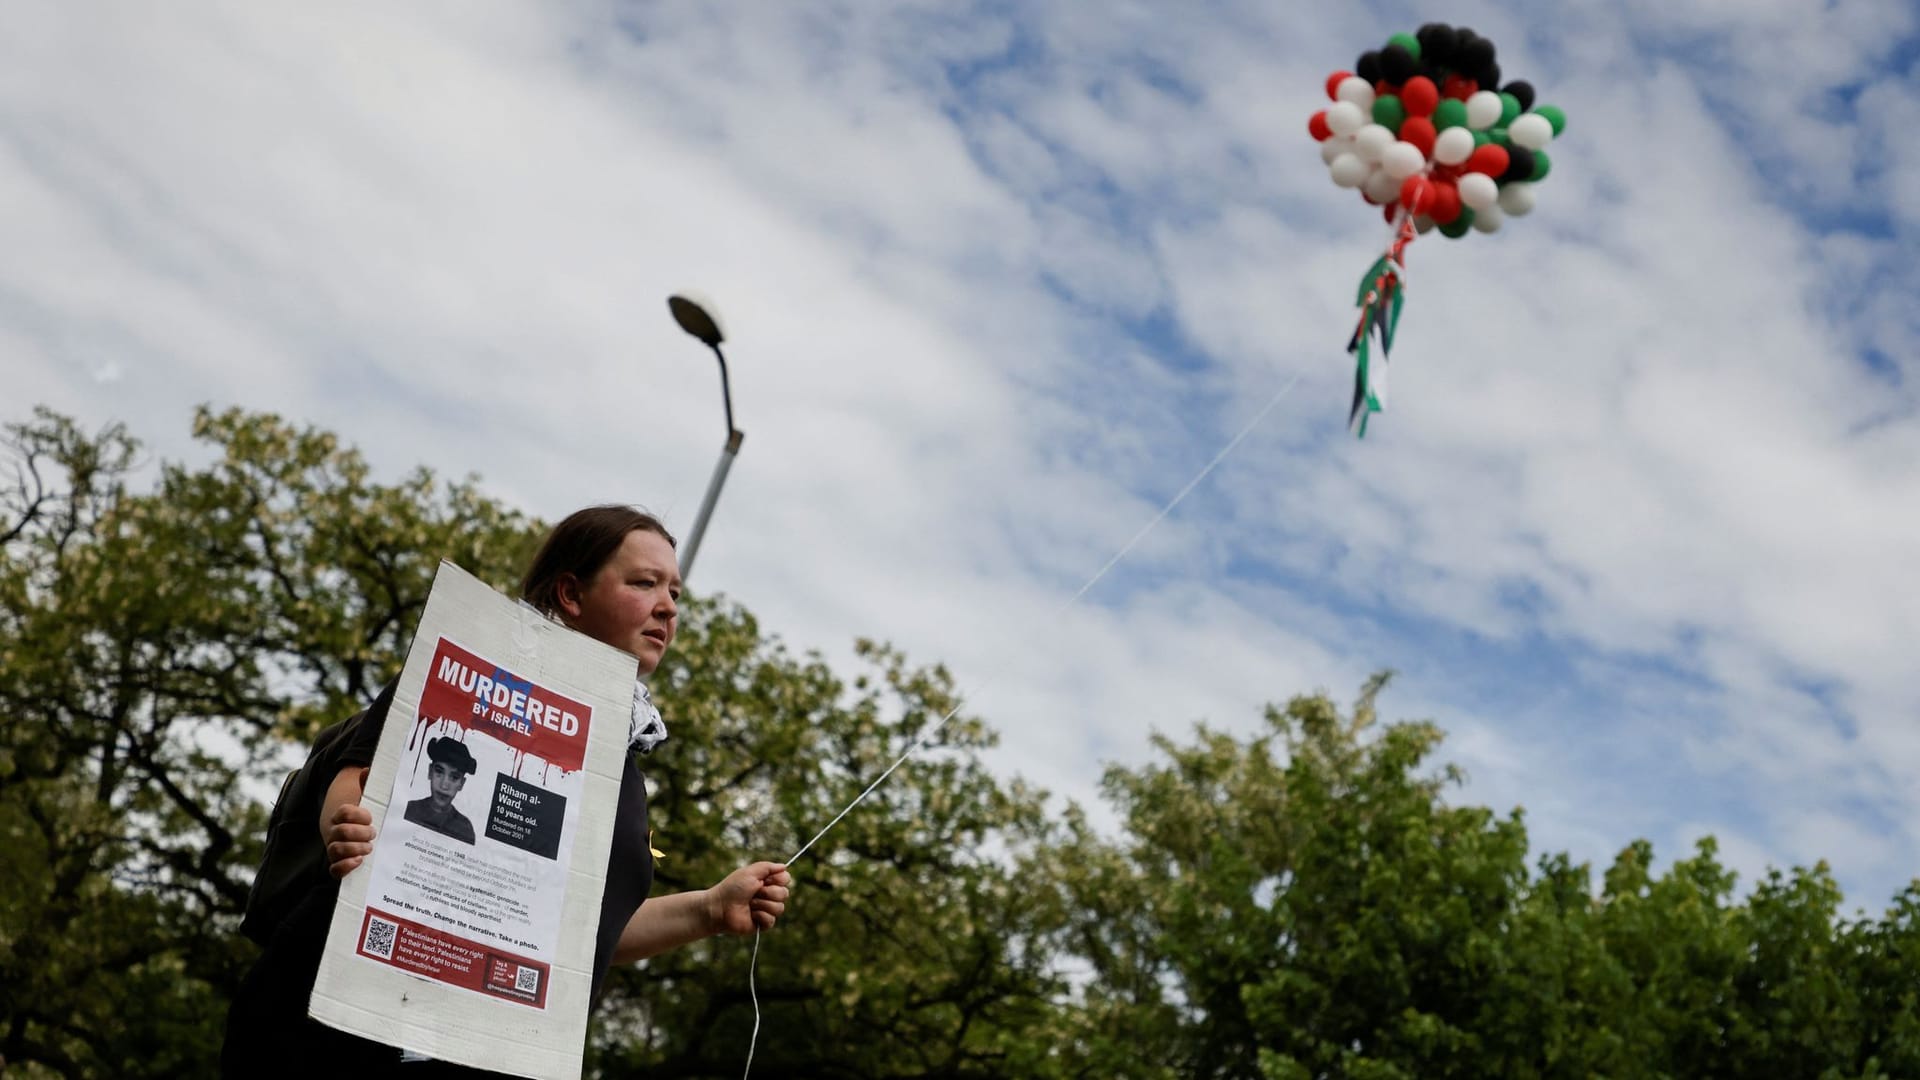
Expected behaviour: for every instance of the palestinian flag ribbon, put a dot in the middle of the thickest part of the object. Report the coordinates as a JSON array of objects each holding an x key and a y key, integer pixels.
[{"x": 1382, "y": 291}]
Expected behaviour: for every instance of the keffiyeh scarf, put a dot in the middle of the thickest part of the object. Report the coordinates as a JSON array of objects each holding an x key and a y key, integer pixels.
[{"x": 646, "y": 730}]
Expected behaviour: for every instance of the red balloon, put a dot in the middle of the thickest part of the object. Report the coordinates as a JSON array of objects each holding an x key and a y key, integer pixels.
[
  {"x": 1489, "y": 159},
  {"x": 1333, "y": 84},
  {"x": 1446, "y": 203},
  {"x": 1416, "y": 194},
  {"x": 1448, "y": 173},
  {"x": 1458, "y": 87},
  {"x": 1383, "y": 88},
  {"x": 1317, "y": 126},
  {"x": 1419, "y": 96},
  {"x": 1390, "y": 212},
  {"x": 1418, "y": 130}
]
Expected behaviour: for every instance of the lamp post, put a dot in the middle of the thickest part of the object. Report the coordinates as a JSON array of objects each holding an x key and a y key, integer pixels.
[{"x": 698, "y": 320}]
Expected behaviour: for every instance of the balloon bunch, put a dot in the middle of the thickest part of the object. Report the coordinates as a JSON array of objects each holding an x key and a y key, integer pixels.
[{"x": 1419, "y": 128}]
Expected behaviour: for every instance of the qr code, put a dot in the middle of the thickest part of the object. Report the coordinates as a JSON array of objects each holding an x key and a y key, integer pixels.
[
  {"x": 527, "y": 980},
  {"x": 380, "y": 934}
]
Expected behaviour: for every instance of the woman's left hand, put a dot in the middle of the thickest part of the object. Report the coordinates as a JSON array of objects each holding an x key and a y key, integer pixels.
[{"x": 751, "y": 898}]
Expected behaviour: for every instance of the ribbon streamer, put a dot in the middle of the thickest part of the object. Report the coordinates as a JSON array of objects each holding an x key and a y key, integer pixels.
[{"x": 1382, "y": 291}]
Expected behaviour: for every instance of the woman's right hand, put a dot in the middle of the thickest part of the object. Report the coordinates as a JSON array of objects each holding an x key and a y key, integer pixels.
[{"x": 347, "y": 828}]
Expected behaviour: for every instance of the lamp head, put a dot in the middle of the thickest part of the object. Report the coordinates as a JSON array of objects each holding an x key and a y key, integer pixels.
[{"x": 695, "y": 316}]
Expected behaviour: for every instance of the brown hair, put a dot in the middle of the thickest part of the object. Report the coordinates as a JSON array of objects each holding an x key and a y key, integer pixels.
[{"x": 579, "y": 546}]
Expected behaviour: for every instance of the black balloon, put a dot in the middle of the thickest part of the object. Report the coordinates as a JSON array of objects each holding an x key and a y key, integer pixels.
[
  {"x": 1437, "y": 43},
  {"x": 1397, "y": 64},
  {"x": 1519, "y": 165},
  {"x": 1368, "y": 67},
  {"x": 1432, "y": 70},
  {"x": 1522, "y": 92},
  {"x": 1475, "y": 55},
  {"x": 1463, "y": 39},
  {"x": 1489, "y": 76}
]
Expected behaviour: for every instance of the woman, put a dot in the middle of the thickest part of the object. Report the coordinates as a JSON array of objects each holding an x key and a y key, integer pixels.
[{"x": 609, "y": 572}]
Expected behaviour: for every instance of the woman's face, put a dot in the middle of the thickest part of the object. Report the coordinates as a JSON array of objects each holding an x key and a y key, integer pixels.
[{"x": 632, "y": 604}]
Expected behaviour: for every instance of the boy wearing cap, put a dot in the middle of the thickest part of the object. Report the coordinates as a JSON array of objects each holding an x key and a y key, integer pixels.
[{"x": 451, "y": 764}]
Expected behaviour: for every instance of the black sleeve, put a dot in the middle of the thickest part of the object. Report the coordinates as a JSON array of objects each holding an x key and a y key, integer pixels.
[
  {"x": 294, "y": 866},
  {"x": 362, "y": 736}
]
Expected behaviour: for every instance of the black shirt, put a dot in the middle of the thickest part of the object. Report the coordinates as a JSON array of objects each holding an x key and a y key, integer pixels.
[
  {"x": 447, "y": 821},
  {"x": 269, "y": 1016}
]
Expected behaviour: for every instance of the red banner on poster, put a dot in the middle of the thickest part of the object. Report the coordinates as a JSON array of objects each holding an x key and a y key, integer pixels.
[
  {"x": 477, "y": 695},
  {"x": 449, "y": 958}
]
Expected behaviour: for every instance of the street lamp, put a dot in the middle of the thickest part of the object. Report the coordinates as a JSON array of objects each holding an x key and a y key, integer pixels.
[{"x": 698, "y": 319}]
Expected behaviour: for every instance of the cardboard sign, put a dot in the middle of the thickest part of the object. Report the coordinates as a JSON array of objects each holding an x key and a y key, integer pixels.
[{"x": 468, "y": 934}]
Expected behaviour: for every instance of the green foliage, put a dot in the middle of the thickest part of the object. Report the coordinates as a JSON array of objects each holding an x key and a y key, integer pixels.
[
  {"x": 162, "y": 649},
  {"x": 909, "y": 951},
  {"x": 157, "y": 652},
  {"x": 1305, "y": 902}
]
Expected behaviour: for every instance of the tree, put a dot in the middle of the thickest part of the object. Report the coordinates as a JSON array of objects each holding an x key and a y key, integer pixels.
[
  {"x": 1306, "y": 903},
  {"x": 158, "y": 651},
  {"x": 165, "y": 650},
  {"x": 1298, "y": 905},
  {"x": 911, "y": 950}
]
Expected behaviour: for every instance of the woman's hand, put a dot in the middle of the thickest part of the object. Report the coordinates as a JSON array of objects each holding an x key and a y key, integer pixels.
[
  {"x": 347, "y": 827},
  {"x": 751, "y": 898}
]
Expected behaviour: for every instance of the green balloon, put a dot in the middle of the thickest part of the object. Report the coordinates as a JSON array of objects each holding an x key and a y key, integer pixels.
[
  {"x": 1458, "y": 227},
  {"x": 1555, "y": 116},
  {"x": 1509, "y": 108},
  {"x": 1450, "y": 113},
  {"x": 1389, "y": 113},
  {"x": 1480, "y": 139},
  {"x": 1407, "y": 42},
  {"x": 1540, "y": 165}
]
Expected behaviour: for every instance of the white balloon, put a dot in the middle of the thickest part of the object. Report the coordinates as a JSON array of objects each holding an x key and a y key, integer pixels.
[
  {"x": 1355, "y": 89},
  {"x": 1478, "y": 190},
  {"x": 1453, "y": 146},
  {"x": 1333, "y": 146},
  {"x": 1517, "y": 199},
  {"x": 1530, "y": 130},
  {"x": 1483, "y": 110},
  {"x": 1488, "y": 220},
  {"x": 1372, "y": 141},
  {"x": 1381, "y": 186},
  {"x": 1402, "y": 160},
  {"x": 1345, "y": 118},
  {"x": 1348, "y": 170},
  {"x": 1423, "y": 224}
]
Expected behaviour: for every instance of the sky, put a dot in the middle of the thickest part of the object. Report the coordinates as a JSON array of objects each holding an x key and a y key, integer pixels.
[{"x": 1639, "y": 527}]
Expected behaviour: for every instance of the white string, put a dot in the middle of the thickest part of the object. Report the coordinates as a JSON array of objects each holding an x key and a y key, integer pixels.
[
  {"x": 1061, "y": 610},
  {"x": 755, "y": 995}
]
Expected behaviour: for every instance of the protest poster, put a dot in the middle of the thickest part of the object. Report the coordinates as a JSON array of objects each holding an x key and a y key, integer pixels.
[{"x": 468, "y": 934}]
